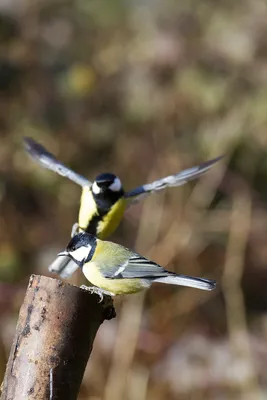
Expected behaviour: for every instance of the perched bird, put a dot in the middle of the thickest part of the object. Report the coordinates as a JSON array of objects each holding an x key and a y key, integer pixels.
[
  {"x": 103, "y": 201},
  {"x": 118, "y": 270}
]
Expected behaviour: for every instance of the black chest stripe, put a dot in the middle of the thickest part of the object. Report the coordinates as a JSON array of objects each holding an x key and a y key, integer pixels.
[
  {"x": 104, "y": 202},
  {"x": 93, "y": 224}
]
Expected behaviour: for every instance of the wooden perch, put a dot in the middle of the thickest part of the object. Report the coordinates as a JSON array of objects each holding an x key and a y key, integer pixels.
[{"x": 54, "y": 337}]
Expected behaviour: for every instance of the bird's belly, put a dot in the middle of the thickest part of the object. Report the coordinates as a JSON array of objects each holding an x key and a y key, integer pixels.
[{"x": 115, "y": 286}]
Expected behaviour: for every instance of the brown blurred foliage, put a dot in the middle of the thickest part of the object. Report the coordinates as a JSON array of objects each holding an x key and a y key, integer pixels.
[{"x": 145, "y": 89}]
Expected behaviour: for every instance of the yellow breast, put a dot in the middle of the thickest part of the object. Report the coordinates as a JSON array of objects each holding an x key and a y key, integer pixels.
[
  {"x": 111, "y": 220},
  {"x": 88, "y": 215},
  {"x": 115, "y": 286},
  {"x": 87, "y": 208}
]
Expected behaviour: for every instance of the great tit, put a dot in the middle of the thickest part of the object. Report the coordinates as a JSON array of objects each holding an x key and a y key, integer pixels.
[
  {"x": 118, "y": 270},
  {"x": 104, "y": 200}
]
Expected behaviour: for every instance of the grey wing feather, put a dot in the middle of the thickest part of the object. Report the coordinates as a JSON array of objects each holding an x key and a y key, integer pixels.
[
  {"x": 172, "y": 180},
  {"x": 47, "y": 160},
  {"x": 135, "y": 267},
  {"x": 189, "y": 281},
  {"x": 63, "y": 266},
  {"x": 139, "y": 267}
]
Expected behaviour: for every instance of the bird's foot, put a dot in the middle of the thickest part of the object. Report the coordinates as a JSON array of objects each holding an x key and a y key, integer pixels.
[{"x": 98, "y": 291}]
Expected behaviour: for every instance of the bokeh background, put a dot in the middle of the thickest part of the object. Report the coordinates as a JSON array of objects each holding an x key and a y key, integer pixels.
[{"x": 145, "y": 89}]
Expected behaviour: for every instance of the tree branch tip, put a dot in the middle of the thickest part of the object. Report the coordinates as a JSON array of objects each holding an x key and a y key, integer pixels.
[{"x": 106, "y": 301}]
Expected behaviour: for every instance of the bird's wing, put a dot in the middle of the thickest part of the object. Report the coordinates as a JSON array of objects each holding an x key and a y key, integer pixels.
[
  {"x": 172, "y": 180},
  {"x": 63, "y": 266},
  {"x": 134, "y": 267},
  {"x": 47, "y": 160}
]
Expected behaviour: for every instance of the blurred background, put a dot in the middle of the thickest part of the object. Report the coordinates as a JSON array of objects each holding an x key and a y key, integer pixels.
[{"x": 145, "y": 89}]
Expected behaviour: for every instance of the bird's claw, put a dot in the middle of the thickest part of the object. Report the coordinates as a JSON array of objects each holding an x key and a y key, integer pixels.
[{"x": 98, "y": 291}]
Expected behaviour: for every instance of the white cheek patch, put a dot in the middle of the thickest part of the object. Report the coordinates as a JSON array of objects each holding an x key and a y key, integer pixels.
[
  {"x": 81, "y": 253},
  {"x": 95, "y": 188},
  {"x": 116, "y": 185}
]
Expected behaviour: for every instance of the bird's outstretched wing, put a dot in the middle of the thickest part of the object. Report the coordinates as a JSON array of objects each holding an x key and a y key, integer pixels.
[
  {"x": 63, "y": 266},
  {"x": 47, "y": 160},
  {"x": 172, "y": 180}
]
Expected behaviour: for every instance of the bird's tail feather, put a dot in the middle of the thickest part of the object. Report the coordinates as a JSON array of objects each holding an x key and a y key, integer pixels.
[
  {"x": 183, "y": 280},
  {"x": 63, "y": 266}
]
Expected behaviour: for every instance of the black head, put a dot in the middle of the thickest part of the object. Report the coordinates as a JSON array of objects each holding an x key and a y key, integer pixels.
[
  {"x": 107, "y": 182},
  {"x": 81, "y": 248}
]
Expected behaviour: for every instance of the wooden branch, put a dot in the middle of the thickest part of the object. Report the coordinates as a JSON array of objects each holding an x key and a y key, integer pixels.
[{"x": 54, "y": 337}]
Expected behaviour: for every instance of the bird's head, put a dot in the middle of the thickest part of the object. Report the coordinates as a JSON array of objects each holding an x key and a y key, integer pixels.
[
  {"x": 81, "y": 248},
  {"x": 106, "y": 183}
]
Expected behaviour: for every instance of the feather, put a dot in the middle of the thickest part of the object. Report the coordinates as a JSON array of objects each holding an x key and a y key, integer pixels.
[
  {"x": 183, "y": 280},
  {"x": 172, "y": 180},
  {"x": 63, "y": 266},
  {"x": 134, "y": 267},
  {"x": 47, "y": 160}
]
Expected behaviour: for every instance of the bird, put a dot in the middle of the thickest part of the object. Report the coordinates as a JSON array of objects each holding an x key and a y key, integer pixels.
[
  {"x": 104, "y": 200},
  {"x": 115, "y": 270}
]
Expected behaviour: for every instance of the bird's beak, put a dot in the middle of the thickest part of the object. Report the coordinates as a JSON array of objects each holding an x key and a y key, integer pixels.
[{"x": 63, "y": 253}]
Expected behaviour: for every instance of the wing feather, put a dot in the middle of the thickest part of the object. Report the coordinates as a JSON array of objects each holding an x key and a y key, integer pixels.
[
  {"x": 47, "y": 160},
  {"x": 134, "y": 267},
  {"x": 172, "y": 180}
]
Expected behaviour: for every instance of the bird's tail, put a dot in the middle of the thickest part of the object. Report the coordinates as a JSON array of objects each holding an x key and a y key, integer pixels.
[
  {"x": 183, "y": 280},
  {"x": 63, "y": 266}
]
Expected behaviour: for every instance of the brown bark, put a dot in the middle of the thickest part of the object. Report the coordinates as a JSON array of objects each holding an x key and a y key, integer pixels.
[{"x": 54, "y": 337}]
